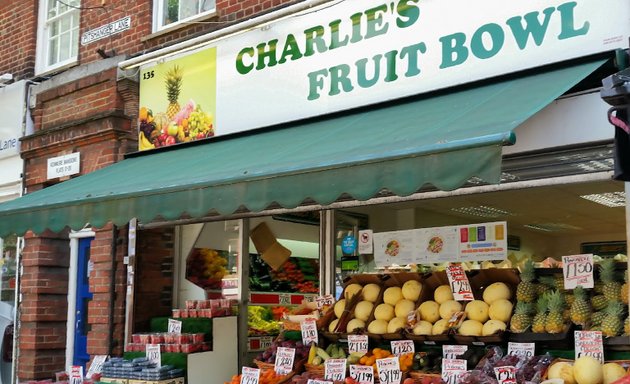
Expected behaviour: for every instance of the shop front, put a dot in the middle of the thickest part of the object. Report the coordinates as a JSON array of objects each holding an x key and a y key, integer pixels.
[{"x": 360, "y": 144}]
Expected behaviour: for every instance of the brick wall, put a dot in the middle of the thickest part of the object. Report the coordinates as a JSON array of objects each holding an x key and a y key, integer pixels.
[{"x": 18, "y": 22}]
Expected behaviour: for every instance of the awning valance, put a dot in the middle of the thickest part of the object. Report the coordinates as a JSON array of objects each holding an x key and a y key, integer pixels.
[{"x": 442, "y": 140}]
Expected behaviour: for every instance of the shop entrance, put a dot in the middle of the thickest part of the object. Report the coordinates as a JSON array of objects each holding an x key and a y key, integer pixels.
[{"x": 83, "y": 297}]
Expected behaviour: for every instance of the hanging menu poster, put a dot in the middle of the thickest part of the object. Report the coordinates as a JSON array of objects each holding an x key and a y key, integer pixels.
[
  {"x": 400, "y": 248},
  {"x": 439, "y": 244},
  {"x": 486, "y": 241}
]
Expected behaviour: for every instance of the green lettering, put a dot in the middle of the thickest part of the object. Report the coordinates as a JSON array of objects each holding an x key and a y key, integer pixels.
[
  {"x": 267, "y": 54},
  {"x": 567, "y": 20},
  {"x": 453, "y": 50},
  {"x": 362, "y": 79},
  {"x": 533, "y": 27},
  {"x": 408, "y": 14},
  {"x": 339, "y": 76},
  {"x": 375, "y": 20},
  {"x": 356, "y": 27},
  {"x": 334, "y": 36},
  {"x": 497, "y": 38},
  {"x": 240, "y": 65},
  {"x": 411, "y": 51},
  {"x": 316, "y": 83},
  {"x": 391, "y": 57},
  {"x": 314, "y": 38},
  {"x": 291, "y": 48}
]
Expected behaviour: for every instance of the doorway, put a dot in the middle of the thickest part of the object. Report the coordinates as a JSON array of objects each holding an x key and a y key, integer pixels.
[{"x": 80, "y": 324}]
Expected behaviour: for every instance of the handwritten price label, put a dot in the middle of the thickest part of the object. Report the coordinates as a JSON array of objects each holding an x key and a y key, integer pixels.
[
  {"x": 452, "y": 351},
  {"x": 313, "y": 381},
  {"x": 505, "y": 375},
  {"x": 460, "y": 286},
  {"x": 284, "y": 360},
  {"x": 388, "y": 370},
  {"x": 250, "y": 375},
  {"x": 323, "y": 301},
  {"x": 76, "y": 374},
  {"x": 335, "y": 369},
  {"x": 358, "y": 343},
  {"x": 174, "y": 326},
  {"x": 154, "y": 354},
  {"x": 309, "y": 332},
  {"x": 521, "y": 349},
  {"x": 589, "y": 343},
  {"x": 362, "y": 374},
  {"x": 97, "y": 365},
  {"x": 452, "y": 369},
  {"x": 400, "y": 347},
  {"x": 578, "y": 270}
]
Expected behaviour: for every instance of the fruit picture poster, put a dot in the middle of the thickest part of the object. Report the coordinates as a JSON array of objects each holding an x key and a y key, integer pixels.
[
  {"x": 178, "y": 100},
  {"x": 399, "y": 248}
]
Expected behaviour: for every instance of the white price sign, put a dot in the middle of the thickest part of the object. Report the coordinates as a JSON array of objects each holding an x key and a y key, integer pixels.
[
  {"x": 250, "y": 375},
  {"x": 505, "y": 375},
  {"x": 452, "y": 369},
  {"x": 400, "y": 347},
  {"x": 284, "y": 360},
  {"x": 389, "y": 370},
  {"x": 335, "y": 369},
  {"x": 578, "y": 270},
  {"x": 358, "y": 343},
  {"x": 154, "y": 354},
  {"x": 452, "y": 351},
  {"x": 362, "y": 374},
  {"x": 322, "y": 301},
  {"x": 174, "y": 326},
  {"x": 76, "y": 374},
  {"x": 521, "y": 349},
  {"x": 589, "y": 343},
  {"x": 309, "y": 332},
  {"x": 313, "y": 381},
  {"x": 460, "y": 286},
  {"x": 97, "y": 365}
]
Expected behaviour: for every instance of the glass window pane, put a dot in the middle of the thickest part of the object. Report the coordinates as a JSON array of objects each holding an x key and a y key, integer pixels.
[
  {"x": 64, "y": 24},
  {"x": 8, "y": 252},
  {"x": 64, "y": 46},
  {"x": 52, "y": 51},
  {"x": 74, "y": 46},
  {"x": 54, "y": 29},
  {"x": 207, "y": 5},
  {"x": 171, "y": 11},
  {"x": 52, "y": 8},
  {"x": 188, "y": 8},
  {"x": 75, "y": 19},
  {"x": 74, "y": 3}
]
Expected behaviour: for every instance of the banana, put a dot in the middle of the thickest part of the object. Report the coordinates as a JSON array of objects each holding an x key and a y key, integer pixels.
[{"x": 143, "y": 142}]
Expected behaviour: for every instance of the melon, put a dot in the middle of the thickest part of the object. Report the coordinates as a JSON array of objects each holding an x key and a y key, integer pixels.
[
  {"x": 339, "y": 307},
  {"x": 403, "y": 307},
  {"x": 352, "y": 290},
  {"x": 449, "y": 308},
  {"x": 477, "y": 310},
  {"x": 496, "y": 291},
  {"x": 355, "y": 324},
  {"x": 588, "y": 370},
  {"x": 501, "y": 310},
  {"x": 396, "y": 323},
  {"x": 443, "y": 293},
  {"x": 429, "y": 311},
  {"x": 363, "y": 310},
  {"x": 392, "y": 295},
  {"x": 440, "y": 327},
  {"x": 411, "y": 290},
  {"x": 470, "y": 328},
  {"x": 378, "y": 327},
  {"x": 423, "y": 328},
  {"x": 561, "y": 370},
  {"x": 612, "y": 372},
  {"x": 333, "y": 325},
  {"x": 370, "y": 292},
  {"x": 384, "y": 312},
  {"x": 492, "y": 326}
]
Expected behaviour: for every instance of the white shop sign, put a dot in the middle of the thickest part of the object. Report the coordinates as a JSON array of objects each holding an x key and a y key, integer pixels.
[
  {"x": 66, "y": 165},
  {"x": 106, "y": 30},
  {"x": 353, "y": 53}
]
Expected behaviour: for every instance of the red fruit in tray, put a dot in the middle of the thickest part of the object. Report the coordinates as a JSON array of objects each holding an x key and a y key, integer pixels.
[{"x": 409, "y": 380}]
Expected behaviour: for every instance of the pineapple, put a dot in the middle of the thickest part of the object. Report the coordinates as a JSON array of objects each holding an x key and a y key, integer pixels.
[
  {"x": 545, "y": 285},
  {"x": 599, "y": 287},
  {"x": 580, "y": 309},
  {"x": 599, "y": 302},
  {"x": 624, "y": 289},
  {"x": 522, "y": 318},
  {"x": 555, "y": 321},
  {"x": 612, "y": 324},
  {"x": 626, "y": 326},
  {"x": 538, "y": 323},
  {"x": 526, "y": 289},
  {"x": 612, "y": 288},
  {"x": 173, "y": 88},
  {"x": 569, "y": 299},
  {"x": 597, "y": 318},
  {"x": 558, "y": 282}
]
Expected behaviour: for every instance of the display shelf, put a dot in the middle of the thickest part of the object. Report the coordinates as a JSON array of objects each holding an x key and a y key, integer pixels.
[
  {"x": 279, "y": 298},
  {"x": 259, "y": 343}
]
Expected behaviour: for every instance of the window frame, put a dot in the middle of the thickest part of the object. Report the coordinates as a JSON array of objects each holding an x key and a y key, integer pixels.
[
  {"x": 43, "y": 41},
  {"x": 158, "y": 15}
]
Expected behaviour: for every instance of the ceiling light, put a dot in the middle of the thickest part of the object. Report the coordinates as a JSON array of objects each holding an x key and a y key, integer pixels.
[
  {"x": 552, "y": 227},
  {"x": 609, "y": 199},
  {"x": 482, "y": 211}
]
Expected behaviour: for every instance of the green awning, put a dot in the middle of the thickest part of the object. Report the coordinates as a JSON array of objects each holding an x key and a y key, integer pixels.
[{"x": 442, "y": 140}]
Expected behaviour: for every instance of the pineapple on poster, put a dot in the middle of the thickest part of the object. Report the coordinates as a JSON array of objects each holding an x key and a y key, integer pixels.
[{"x": 178, "y": 100}]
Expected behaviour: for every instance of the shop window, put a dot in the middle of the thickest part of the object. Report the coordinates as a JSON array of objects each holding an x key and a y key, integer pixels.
[
  {"x": 172, "y": 12},
  {"x": 8, "y": 247},
  {"x": 58, "y": 34}
]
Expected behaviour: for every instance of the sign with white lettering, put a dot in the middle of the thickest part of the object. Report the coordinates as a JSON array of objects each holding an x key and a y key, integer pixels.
[
  {"x": 106, "y": 30},
  {"x": 66, "y": 165}
]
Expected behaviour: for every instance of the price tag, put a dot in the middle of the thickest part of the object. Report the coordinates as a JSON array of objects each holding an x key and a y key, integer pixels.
[
  {"x": 521, "y": 349},
  {"x": 97, "y": 365},
  {"x": 358, "y": 343},
  {"x": 589, "y": 343},
  {"x": 362, "y": 374},
  {"x": 76, "y": 374},
  {"x": 335, "y": 369},
  {"x": 313, "y": 381},
  {"x": 322, "y": 301},
  {"x": 250, "y": 375},
  {"x": 452, "y": 369},
  {"x": 284, "y": 360},
  {"x": 284, "y": 299},
  {"x": 154, "y": 354},
  {"x": 459, "y": 283},
  {"x": 389, "y": 370},
  {"x": 452, "y": 351},
  {"x": 505, "y": 375},
  {"x": 578, "y": 270},
  {"x": 309, "y": 332},
  {"x": 400, "y": 347},
  {"x": 265, "y": 342},
  {"x": 174, "y": 326}
]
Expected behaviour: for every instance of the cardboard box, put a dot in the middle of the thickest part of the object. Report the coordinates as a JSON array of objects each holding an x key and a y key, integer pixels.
[
  {"x": 178, "y": 380},
  {"x": 271, "y": 251},
  {"x": 114, "y": 380}
]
